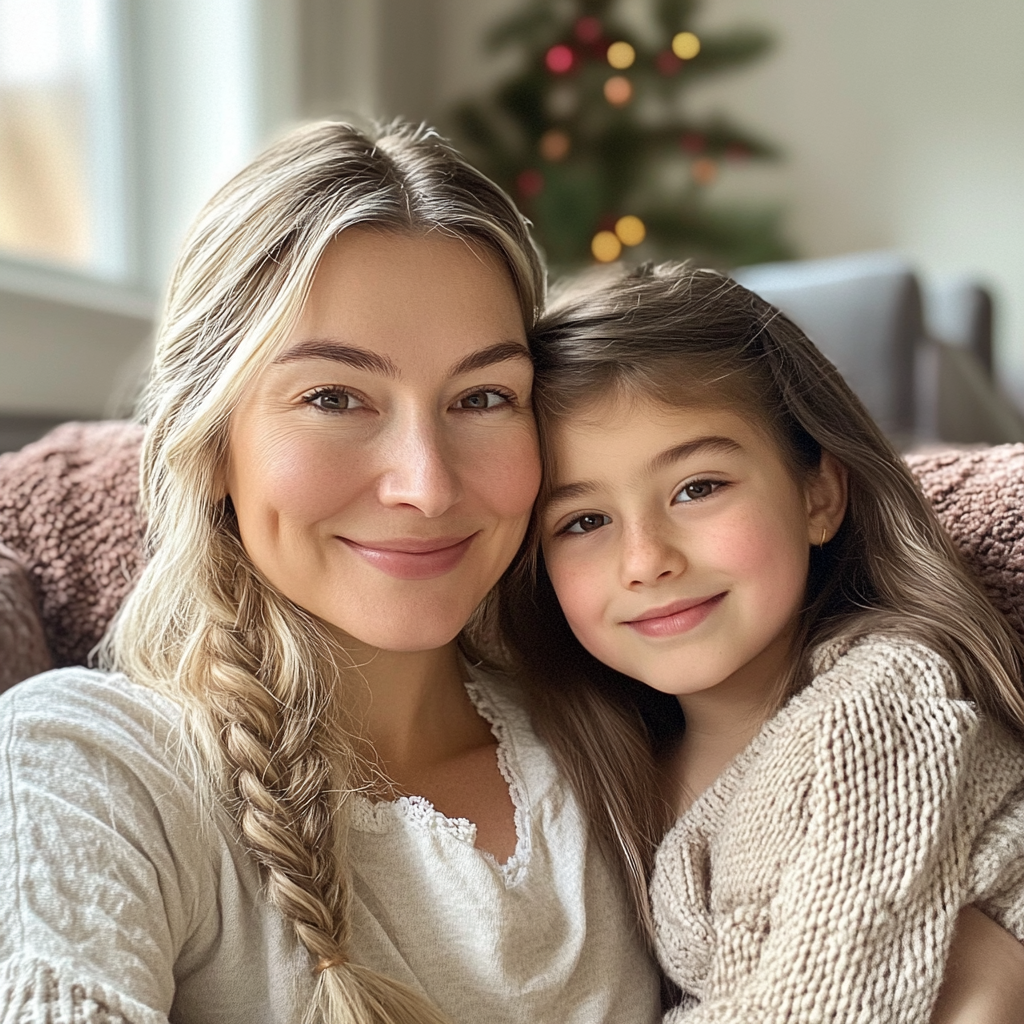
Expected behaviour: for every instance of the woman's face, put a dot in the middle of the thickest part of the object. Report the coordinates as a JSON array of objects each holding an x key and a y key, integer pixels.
[{"x": 383, "y": 467}]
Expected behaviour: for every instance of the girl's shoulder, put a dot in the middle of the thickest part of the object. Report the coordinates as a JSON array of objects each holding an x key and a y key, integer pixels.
[{"x": 879, "y": 667}]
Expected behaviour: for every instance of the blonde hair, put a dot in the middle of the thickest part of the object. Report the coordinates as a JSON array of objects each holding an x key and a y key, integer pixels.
[
  {"x": 255, "y": 673},
  {"x": 681, "y": 336}
]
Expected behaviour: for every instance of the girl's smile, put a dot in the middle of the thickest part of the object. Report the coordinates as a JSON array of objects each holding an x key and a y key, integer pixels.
[
  {"x": 677, "y": 540},
  {"x": 678, "y": 617}
]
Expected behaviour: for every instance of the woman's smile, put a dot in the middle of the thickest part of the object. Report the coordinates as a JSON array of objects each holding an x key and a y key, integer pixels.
[{"x": 412, "y": 559}]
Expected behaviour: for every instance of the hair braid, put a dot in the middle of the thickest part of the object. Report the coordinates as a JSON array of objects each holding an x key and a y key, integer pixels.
[{"x": 274, "y": 721}]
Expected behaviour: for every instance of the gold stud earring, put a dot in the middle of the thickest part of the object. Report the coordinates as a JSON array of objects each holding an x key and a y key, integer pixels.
[{"x": 821, "y": 543}]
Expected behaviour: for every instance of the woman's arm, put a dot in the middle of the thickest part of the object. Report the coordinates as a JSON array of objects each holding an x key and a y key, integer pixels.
[{"x": 984, "y": 980}]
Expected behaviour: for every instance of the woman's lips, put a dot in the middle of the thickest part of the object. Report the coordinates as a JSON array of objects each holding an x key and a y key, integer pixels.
[
  {"x": 675, "y": 618},
  {"x": 411, "y": 558}
]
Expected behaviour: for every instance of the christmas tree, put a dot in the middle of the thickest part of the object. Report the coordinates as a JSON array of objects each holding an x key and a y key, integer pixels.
[{"x": 592, "y": 137}]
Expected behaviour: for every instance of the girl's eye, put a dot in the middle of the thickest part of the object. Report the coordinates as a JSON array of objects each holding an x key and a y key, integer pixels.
[
  {"x": 334, "y": 400},
  {"x": 696, "y": 490},
  {"x": 587, "y": 523},
  {"x": 483, "y": 399}
]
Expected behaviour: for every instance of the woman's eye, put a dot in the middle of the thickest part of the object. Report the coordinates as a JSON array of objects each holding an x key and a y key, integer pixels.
[
  {"x": 334, "y": 400},
  {"x": 587, "y": 523},
  {"x": 482, "y": 400},
  {"x": 696, "y": 490}
]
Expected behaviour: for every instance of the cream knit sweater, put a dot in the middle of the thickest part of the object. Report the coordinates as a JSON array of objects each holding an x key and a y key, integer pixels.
[{"x": 819, "y": 877}]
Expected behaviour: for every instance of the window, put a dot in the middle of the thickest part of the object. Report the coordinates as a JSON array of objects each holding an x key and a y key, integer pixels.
[{"x": 62, "y": 180}]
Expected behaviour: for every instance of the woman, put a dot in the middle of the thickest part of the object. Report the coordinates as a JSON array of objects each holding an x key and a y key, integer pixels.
[{"x": 307, "y": 797}]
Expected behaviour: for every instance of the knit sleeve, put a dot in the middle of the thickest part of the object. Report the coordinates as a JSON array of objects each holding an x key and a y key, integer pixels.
[
  {"x": 863, "y": 896},
  {"x": 104, "y": 873}
]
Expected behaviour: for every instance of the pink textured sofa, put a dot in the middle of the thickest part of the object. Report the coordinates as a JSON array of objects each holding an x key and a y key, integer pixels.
[{"x": 70, "y": 539}]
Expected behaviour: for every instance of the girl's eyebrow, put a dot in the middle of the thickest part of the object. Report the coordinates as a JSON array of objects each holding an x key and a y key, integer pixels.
[
  {"x": 699, "y": 445},
  {"x": 374, "y": 362},
  {"x": 664, "y": 459}
]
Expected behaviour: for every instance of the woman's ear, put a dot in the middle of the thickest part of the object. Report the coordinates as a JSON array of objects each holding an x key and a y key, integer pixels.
[{"x": 826, "y": 493}]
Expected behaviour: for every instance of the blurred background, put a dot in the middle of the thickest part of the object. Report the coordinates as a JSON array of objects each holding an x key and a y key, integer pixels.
[{"x": 737, "y": 131}]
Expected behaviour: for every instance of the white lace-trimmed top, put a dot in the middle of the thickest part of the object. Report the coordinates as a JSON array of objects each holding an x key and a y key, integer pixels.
[
  {"x": 123, "y": 903},
  {"x": 819, "y": 877}
]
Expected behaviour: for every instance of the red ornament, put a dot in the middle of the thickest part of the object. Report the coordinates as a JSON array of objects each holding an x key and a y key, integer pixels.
[
  {"x": 667, "y": 63},
  {"x": 588, "y": 30},
  {"x": 530, "y": 182},
  {"x": 559, "y": 59},
  {"x": 693, "y": 142}
]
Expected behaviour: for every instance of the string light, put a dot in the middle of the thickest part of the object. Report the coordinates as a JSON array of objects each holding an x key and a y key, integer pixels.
[
  {"x": 685, "y": 45},
  {"x": 588, "y": 29},
  {"x": 530, "y": 182},
  {"x": 693, "y": 142},
  {"x": 559, "y": 59},
  {"x": 630, "y": 230},
  {"x": 618, "y": 90},
  {"x": 704, "y": 170},
  {"x": 554, "y": 145},
  {"x": 605, "y": 246},
  {"x": 621, "y": 55},
  {"x": 667, "y": 63}
]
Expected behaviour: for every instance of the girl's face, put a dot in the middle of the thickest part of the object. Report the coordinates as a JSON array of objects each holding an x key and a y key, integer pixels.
[
  {"x": 677, "y": 540},
  {"x": 383, "y": 467}
]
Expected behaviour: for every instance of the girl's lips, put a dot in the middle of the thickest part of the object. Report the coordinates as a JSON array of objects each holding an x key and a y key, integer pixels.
[
  {"x": 675, "y": 618},
  {"x": 413, "y": 559}
]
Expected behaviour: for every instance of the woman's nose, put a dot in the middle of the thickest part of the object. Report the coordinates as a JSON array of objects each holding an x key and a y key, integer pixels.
[
  {"x": 650, "y": 556},
  {"x": 418, "y": 471}
]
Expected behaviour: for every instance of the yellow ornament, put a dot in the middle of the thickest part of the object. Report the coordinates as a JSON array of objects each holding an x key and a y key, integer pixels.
[
  {"x": 630, "y": 230},
  {"x": 685, "y": 45},
  {"x": 621, "y": 55},
  {"x": 605, "y": 246}
]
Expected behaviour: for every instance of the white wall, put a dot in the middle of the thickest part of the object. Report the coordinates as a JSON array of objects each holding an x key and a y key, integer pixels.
[
  {"x": 207, "y": 83},
  {"x": 903, "y": 123}
]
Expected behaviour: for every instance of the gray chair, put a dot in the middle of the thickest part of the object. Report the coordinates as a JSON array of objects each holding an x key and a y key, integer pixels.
[{"x": 866, "y": 313}]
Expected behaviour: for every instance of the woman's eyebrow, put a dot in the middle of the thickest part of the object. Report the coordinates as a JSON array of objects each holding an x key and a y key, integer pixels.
[
  {"x": 374, "y": 362},
  {"x": 499, "y": 353},
  {"x": 325, "y": 348}
]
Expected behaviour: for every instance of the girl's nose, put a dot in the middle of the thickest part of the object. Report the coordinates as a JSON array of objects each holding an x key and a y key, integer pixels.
[
  {"x": 418, "y": 470},
  {"x": 649, "y": 556}
]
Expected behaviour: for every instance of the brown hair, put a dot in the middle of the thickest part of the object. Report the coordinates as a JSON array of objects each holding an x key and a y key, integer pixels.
[
  {"x": 681, "y": 336},
  {"x": 255, "y": 673}
]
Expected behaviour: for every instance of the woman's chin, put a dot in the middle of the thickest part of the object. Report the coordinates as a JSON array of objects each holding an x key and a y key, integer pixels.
[{"x": 398, "y": 634}]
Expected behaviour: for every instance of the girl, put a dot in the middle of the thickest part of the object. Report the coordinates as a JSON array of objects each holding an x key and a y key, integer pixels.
[{"x": 721, "y": 520}]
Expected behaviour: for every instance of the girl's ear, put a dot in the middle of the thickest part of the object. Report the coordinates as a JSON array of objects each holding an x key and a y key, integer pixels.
[{"x": 826, "y": 493}]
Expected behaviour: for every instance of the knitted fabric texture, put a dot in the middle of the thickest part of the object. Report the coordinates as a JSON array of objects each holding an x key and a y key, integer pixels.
[
  {"x": 23, "y": 650},
  {"x": 68, "y": 508},
  {"x": 819, "y": 877}
]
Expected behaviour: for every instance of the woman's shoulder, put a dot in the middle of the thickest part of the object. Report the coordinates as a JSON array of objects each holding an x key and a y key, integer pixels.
[
  {"x": 69, "y": 701},
  {"x": 84, "y": 729}
]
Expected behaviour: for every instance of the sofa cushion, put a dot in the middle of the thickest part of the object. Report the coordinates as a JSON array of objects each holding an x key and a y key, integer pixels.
[
  {"x": 23, "y": 650},
  {"x": 979, "y": 497},
  {"x": 68, "y": 508}
]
